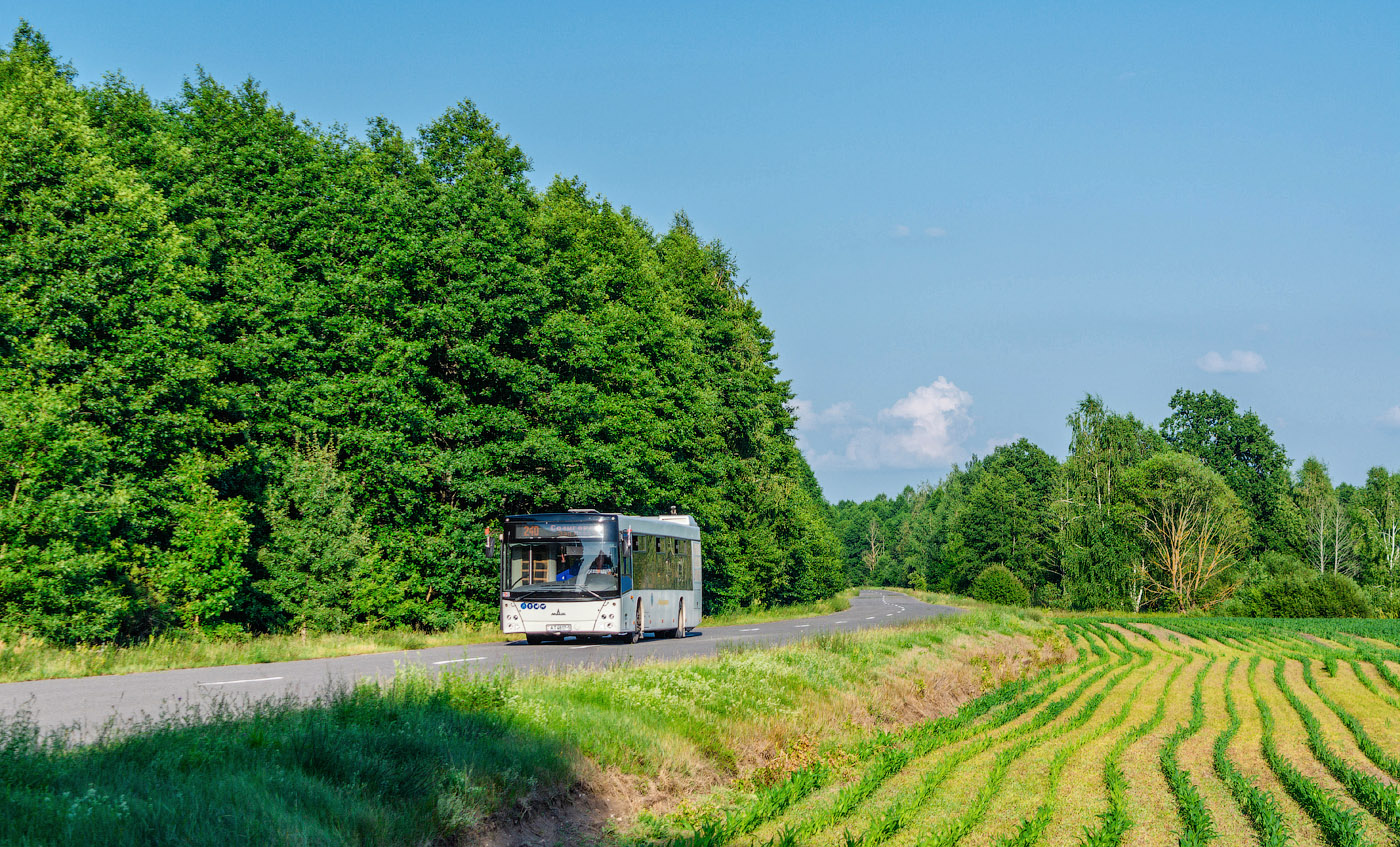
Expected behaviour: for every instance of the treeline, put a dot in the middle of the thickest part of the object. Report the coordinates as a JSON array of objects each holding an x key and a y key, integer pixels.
[
  {"x": 257, "y": 375},
  {"x": 1201, "y": 512}
]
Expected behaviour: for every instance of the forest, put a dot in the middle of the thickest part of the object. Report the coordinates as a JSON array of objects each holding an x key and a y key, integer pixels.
[
  {"x": 262, "y": 376},
  {"x": 1202, "y": 513}
]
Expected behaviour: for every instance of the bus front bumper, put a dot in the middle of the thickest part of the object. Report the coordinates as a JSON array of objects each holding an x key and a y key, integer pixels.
[{"x": 561, "y": 617}]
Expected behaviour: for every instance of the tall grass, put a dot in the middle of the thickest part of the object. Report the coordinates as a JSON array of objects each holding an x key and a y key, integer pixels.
[{"x": 408, "y": 764}]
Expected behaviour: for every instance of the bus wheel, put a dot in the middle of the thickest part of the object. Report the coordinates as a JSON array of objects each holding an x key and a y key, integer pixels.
[
  {"x": 638, "y": 628},
  {"x": 534, "y": 639}
]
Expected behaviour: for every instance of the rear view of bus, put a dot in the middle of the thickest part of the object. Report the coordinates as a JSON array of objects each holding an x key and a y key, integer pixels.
[{"x": 585, "y": 573}]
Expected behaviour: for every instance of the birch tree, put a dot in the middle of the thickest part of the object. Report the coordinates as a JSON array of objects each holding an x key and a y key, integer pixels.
[
  {"x": 1378, "y": 526},
  {"x": 1328, "y": 525}
]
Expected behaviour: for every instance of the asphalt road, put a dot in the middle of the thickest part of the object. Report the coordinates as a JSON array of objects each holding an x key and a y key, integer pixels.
[{"x": 84, "y": 705}]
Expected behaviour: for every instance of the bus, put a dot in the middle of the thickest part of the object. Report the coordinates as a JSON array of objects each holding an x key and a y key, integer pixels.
[{"x": 587, "y": 573}]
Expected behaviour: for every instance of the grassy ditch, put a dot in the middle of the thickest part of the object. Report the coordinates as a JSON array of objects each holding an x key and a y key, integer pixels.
[{"x": 424, "y": 760}]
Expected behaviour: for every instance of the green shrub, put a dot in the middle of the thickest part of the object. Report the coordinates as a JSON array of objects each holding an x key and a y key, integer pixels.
[
  {"x": 1338, "y": 596},
  {"x": 997, "y": 584},
  {"x": 1301, "y": 594}
]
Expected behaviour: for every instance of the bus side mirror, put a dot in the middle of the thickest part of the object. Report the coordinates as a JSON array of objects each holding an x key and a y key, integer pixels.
[{"x": 490, "y": 543}]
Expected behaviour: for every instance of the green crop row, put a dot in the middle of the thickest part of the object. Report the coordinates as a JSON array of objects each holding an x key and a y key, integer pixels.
[
  {"x": 1017, "y": 698},
  {"x": 899, "y": 814},
  {"x": 1370, "y": 684},
  {"x": 1033, "y": 828},
  {"x": 1341, "y": 826},
  {"x": 927, "y": 737},
  {"x": 1199, "y": 826},
  {"x": 1257, "y": 804},
  {"x": 1364, "y": 741},
  {"x": 950, "y": 834},
  {"x": 1379, "y": 799},
  {"x": 1115, "y": 820}
]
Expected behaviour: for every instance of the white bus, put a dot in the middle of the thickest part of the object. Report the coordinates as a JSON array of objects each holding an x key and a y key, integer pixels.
[{"x": 586, "y": 573}]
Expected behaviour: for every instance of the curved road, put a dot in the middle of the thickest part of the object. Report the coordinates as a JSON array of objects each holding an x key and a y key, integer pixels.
[{"x": 87, "y": 703}]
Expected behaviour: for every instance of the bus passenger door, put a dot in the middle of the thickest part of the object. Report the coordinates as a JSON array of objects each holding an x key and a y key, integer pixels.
[{"x": 624, "y": 577}]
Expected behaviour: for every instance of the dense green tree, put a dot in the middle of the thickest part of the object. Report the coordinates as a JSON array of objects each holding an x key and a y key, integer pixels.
[
  {"x": 104, "y": 348},
  {"x": 1006, "y": 518},
  {"x": 1099, "y": 537},
  {"x": 305, "y": 371},
  {"x": 1242, "y": 449}
]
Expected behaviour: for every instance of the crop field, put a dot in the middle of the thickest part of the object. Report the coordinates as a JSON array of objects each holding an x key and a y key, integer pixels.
[{"x": 1165, "y": 731}]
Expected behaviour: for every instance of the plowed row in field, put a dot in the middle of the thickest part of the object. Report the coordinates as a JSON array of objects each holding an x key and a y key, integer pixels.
[{"x": 1174, "y": 731}]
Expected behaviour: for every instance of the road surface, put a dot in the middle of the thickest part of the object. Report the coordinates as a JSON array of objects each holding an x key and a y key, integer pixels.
[{"x": 86, "y": 704}]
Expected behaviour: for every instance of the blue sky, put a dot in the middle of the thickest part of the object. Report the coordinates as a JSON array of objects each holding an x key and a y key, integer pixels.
[{"x": 957, "y": 218}]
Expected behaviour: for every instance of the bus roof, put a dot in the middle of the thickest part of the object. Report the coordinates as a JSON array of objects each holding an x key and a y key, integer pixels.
[{"x": 675, "y": 526}]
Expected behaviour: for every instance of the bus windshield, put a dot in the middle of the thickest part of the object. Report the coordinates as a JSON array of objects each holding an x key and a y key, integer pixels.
[{"x": 570, "y": 564}]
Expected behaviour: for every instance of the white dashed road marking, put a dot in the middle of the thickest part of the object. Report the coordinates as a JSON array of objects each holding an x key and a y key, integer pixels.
[
  {"x": 240, "y": 681},
  {"x": 455, "y": 661},
  {"x": 801, "y": 626},
  {"x": 749, "y": 630}
]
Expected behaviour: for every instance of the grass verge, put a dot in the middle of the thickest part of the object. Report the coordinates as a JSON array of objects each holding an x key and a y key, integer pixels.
[{"x": 424, "y": 760}]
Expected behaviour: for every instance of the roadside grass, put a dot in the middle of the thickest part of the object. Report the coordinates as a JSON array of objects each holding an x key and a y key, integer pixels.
[
  {"x": 426, "y": 759},
  {"x": 765, "y": 614},
  {"x": 24, "y": 657},
  {"x": 397, "y": 765}
]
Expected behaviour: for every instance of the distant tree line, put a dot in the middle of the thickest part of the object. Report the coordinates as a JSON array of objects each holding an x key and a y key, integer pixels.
[
  {"x": 257, "y": 375},
  {"x": 1200, "y": 513}
]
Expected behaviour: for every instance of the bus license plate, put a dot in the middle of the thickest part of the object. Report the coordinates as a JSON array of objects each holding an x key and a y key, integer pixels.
[{"x": 558, "y": 627}]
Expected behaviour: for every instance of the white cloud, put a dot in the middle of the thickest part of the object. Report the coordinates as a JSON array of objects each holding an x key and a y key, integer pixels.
[
  {"x": 935, "y": 232},
  {"x": 901, "y": 231},
  {"x": 809, "y": 418},
  {"x": 1391, "y": 417},
  {"x": 923, "y": 429},
  {"x": 1238, "y": 362}
]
